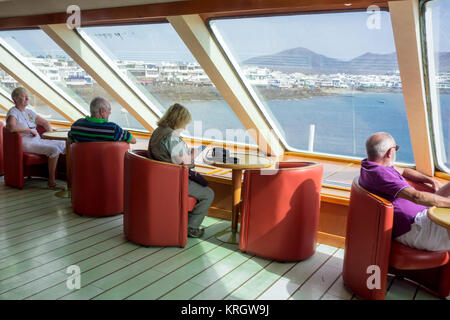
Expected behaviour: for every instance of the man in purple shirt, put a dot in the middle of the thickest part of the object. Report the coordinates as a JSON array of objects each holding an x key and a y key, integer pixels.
[{"x": 412, "y": 226}]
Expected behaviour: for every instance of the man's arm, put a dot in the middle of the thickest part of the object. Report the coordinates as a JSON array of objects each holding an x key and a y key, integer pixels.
[
  {"x": 130, "y": 139},
  {"x": 416, "y": 176},
  {"x": 424, "y": 198},
  {"x": 124, "y": 135}
]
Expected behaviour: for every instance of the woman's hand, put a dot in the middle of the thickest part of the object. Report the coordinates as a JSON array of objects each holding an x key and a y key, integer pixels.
[{"x": 196, "y": 151}]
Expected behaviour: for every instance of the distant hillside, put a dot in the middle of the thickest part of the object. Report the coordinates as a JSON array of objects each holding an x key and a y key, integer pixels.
[
  {"x": 307, "y": 61},
  {"x": 444, "y": 58}
]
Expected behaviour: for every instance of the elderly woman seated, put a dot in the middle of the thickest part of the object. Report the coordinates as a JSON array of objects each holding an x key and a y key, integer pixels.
[{"x": 23, "y": 121}]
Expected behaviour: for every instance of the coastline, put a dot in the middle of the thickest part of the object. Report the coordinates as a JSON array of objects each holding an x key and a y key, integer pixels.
[
  {"x": 173, "y": 93},
  {"x": 271, "y": 93}
]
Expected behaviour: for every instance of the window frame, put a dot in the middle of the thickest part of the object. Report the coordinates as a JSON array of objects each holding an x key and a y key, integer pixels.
[
  {"x": 208, "y": 18},
  {"x": 94, "y": 47},
  {"x": 148, "y": 14},
  {"x": 433, "y": 106},
  {"x": 38, "y": 74},
  {"x": 91, "y": 43}
]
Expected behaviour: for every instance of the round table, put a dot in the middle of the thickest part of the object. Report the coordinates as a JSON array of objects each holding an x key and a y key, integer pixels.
[
  {"x": 246, "y": 161},
  {"x": 62, "y": 135},
  {"x": 440, "y": 216}
]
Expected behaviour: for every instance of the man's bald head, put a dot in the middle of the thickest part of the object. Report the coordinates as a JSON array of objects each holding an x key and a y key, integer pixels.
[{"x": 378, "y": 144}]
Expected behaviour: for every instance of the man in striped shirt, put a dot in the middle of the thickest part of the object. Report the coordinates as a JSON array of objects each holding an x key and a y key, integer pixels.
[{"x": 96, "y": 127}]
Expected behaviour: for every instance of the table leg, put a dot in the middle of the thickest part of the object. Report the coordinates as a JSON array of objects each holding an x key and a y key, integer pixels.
[
  {"x": 232, "y": 235},
  {"x": 66, "y": 193},
  {"x": 237, "y": 185}
]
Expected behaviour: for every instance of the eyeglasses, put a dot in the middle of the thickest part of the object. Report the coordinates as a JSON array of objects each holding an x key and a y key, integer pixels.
[{"x": 396, "y": 147}]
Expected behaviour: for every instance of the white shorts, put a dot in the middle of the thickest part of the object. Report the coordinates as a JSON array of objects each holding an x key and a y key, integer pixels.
[
  {"x": 49, "y": 148},
  {"x": 425, "y": 235}
]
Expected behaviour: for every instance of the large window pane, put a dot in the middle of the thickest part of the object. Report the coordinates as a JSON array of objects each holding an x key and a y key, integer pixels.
[
  {"x": 159, "y": 64},
  {"x": 8, "y": 84},
  {"x": 56, "y": 66},
  {"x": 327, "y": 81},
  {"x": 437, "y": 27}
]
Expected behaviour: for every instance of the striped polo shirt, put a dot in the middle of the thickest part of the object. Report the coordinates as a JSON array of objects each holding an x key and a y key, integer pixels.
[{"x": 94, "y": 129}]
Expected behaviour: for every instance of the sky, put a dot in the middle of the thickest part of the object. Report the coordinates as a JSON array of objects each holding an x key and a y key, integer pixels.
[
  {"x": 440, "y": 16},
  {"x": 337, "y": 35},
  {"x": 250, "y": 37},
  {"x": 316, "y": 32}
]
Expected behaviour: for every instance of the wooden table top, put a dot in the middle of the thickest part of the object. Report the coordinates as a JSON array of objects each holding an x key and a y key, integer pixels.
[
  {"x": 246, "y": 161},
  {"x": 56, "y": 135},
  {"x": 440, "y": 216}
]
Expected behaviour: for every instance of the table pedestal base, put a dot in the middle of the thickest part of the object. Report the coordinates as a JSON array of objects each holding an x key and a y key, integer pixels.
[
  {"x": 228, "y": 236},
  {"x": 63, "y": 194}
]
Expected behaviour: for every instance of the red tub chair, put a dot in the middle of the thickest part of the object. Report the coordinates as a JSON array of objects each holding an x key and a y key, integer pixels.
[
  {"x": 280, "y": 211},
  {"x": 19, "y": 164},
  {"x": 97, "y": 177},
  {"x": 156, "y": 201},
  {"x": 2, "y": 171},
  {"x": 368, "y": 243}
]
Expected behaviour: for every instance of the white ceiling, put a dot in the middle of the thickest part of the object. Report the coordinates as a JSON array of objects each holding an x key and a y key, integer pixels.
[{"x": 14, "y": 8}]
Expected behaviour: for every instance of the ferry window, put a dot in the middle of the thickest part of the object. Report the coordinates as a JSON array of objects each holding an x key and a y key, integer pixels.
[
  {"x": 8, "y": 84},
  {"x": 55, "y": 65},
  {"x": 437, "y": 29},
  {"x": 159, "y": 64},
  {"x": 328, "y": 80}
]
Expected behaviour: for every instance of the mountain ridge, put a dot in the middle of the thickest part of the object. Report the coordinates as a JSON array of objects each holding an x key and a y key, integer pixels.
[{"x": 303, "y": 60}]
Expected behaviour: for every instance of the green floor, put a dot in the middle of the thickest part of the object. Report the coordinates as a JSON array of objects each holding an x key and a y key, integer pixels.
[{"x": 40, "y": 237}]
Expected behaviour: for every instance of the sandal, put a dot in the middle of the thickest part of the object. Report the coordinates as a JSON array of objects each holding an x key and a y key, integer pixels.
[{"x": 56, "y": 187}]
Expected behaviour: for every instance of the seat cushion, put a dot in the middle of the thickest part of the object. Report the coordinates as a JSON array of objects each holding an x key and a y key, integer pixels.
[
  {"x": 191, "y": 203},
  {"x": 33, "y": 158},
  {"x": 406, "y": 258}
]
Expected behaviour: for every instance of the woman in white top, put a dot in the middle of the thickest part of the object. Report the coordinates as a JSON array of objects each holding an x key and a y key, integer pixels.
[{"x": 23, "y": 121}]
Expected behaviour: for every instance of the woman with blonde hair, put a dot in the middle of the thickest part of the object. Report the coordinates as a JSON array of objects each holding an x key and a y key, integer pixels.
[{"x": 166, "y": 145}]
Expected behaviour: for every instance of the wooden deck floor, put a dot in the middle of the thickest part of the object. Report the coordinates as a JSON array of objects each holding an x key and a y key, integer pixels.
[{"x": 40, "y": 237}]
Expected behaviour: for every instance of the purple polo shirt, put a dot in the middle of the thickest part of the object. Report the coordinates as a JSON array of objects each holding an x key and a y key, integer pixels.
[{"x": 387, "y": 182}]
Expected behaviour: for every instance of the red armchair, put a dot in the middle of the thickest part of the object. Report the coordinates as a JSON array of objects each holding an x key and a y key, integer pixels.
[
  {"x": 2, "y": 171},
  {"x": 156, "y": 201},
  {"x": 18, "y": 164},
  {"x": 368, "y": 243},
  {"x": 280, "y": 212},
  {"x": 97, "y": 177}
]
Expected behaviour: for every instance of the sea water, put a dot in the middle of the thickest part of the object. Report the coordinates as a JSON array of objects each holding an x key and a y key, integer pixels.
[{"x": 342, "y": 122}]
